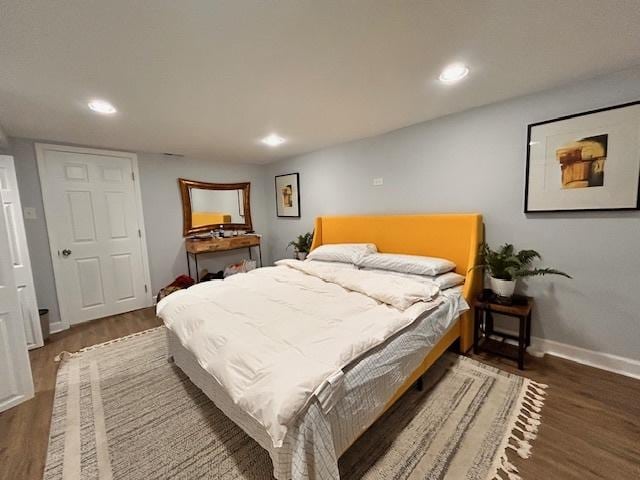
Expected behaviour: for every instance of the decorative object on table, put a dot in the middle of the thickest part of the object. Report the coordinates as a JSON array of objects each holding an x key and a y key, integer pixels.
[
  {"x": 586, "y": 161},
  {"x": 484, "y": 334},
  {"x": 505, "y": 266},
  {"x": 181, "y": 282},
  {"x": 481, "y": 412},
  {"x": 288, "y": 195},
  {"x": 301, "y": 245}
]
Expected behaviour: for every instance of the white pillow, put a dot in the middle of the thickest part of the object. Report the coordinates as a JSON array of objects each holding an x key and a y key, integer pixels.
[
  {"x": 446, "y": 280},
  {"x": 346, "y": 266},
  {"x": 342, "y": 252},
  {"x": 407, "y": 263},
  {"x": 443, "y": 281}
]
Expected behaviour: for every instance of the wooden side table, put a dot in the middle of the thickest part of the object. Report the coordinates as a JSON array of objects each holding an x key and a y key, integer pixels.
[{"x": 483, "y": 327}]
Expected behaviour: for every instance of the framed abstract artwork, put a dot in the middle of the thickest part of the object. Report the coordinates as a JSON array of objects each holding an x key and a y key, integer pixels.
[
  {"x": 587, "y": 161},
  {"x": 288, "y": 195}
]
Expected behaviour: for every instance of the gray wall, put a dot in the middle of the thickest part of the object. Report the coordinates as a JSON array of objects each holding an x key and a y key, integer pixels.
[
  {"x": 163, "y": 210},
  {"x": 474, "y": 162},
  {"x": 162, "y": 214}
]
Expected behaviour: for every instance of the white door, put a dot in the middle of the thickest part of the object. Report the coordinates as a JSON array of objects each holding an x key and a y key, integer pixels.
[
  {"x": 19, "y": 250},
  {"x": 16, "y": 384},
  {"x": 96, "y": 234}
]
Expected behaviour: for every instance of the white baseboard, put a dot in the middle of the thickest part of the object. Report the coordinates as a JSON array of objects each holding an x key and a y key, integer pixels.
[
  {"x": 605, "y": 361},
  {"x": 56, "y": 327}
]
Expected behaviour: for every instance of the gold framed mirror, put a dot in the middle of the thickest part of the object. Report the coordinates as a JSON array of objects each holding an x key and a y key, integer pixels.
[{"x": 208, "y": 206}]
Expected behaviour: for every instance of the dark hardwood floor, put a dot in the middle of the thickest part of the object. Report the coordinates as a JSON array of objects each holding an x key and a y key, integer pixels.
[
  {"x": 590, "y": 427},
  {"x": 24, "y": 430}
]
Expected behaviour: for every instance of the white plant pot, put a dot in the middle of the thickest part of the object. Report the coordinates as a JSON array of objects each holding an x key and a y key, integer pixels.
[
  {"x": 301, "y": 255},
  {"x": 502, "y": 288}
]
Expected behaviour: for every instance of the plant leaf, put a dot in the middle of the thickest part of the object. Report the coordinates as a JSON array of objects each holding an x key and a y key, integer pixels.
[{"x": 540, "y": 271}]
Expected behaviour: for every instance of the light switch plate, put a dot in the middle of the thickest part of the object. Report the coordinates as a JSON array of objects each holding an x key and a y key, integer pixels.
[
  {"x": 29, "y": 213},
  {"x": 378, "y": 181}
]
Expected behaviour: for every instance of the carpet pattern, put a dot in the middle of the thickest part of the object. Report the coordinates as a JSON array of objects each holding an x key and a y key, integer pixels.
[{"x": 121, "y": 411}]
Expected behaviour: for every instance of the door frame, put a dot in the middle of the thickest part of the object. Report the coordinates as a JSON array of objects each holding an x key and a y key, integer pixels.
[
  {"x": 21, "y": 238},
  {"x": 41, "y": 148},
  {"x": 13, "y": 344}
]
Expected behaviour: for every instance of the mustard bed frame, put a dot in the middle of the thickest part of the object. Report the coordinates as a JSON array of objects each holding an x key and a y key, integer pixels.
[
  {"x": 452, "y": 236},
  {"x": 209, "y": 218}
]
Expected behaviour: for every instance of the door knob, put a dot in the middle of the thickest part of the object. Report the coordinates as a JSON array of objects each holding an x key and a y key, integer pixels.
[{"x": 66, "y": 252}]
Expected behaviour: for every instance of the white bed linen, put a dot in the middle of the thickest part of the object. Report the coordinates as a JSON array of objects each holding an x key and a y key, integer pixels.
[
  {"x": 443, "y": 281},
  {"x": 342, "y": 252},
  {"x": 402, "y": 263},
  {"x": 278, "y": 335},
  {"x": 317, "y": 439}
]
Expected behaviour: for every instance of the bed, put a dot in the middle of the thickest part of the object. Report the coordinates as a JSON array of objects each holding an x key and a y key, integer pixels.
[{"x": 348, "y": 401}]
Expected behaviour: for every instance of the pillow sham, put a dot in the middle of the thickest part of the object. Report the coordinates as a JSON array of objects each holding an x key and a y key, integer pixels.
[
  {"x": 346, "y": 266},
  {"x": 342, "y": 252},
  {"x": 401, "y": 263},
  {"x": 443, "y": 281}
]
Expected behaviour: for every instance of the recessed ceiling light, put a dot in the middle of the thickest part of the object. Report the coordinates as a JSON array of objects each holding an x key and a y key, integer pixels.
[
  {"x": 273, "y": 140},
  {"x": 454, "y": 73},
  {"x": 102, "y": 106}
]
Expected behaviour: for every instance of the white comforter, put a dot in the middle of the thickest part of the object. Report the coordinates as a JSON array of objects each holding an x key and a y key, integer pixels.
[{"x": 276, "y": 336}]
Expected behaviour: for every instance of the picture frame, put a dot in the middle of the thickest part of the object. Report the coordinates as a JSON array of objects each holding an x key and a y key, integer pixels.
[
  {"x": 288, "y": 195},
  {"x": 588, "y": 161}
]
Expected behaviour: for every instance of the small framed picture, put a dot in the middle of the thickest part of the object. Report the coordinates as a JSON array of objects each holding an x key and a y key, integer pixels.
[
  {"x": 288, "y": 195},
  {"x": 587, "y": 161}
]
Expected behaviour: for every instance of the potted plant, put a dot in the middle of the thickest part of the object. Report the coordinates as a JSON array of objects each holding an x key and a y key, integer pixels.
[
  {"x": 505, "y": 266},
  {"x": 302, "y": 245}
]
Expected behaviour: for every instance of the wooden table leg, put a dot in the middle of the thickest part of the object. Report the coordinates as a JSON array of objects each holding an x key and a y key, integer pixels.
[
  {"x": 528, "y": 337},
  {"x": 488, "y": 324},
  {"x": 188, "y": 264},
  {"x": 476, "y": 328},
  {"x": 195, "y": 257},
  {"x": 521, "y": 342}
]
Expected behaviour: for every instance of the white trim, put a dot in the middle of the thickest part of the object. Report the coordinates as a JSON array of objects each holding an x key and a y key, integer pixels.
[
  {"x": 23, "y": 273},
  {"x": 57, "y": 327},
  {"x": 40, "y": 149},
  {"x": 143, "y": 232},
  {"x": 604, "y": 361}
]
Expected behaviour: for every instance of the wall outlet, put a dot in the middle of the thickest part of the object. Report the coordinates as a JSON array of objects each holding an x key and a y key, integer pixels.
[
  {"x": 29, "y": 213},
  {"x": 378, "y": 181}
]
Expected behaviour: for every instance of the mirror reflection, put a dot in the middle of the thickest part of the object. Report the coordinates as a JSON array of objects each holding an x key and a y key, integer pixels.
[
  {"x": 215, "y": 206},
  {"x": 209, "y": 207}
]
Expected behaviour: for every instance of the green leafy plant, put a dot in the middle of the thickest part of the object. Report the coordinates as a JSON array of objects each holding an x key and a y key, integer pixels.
[
  {"x": 302, "y": 244},
  {"x": 506, "y": 263}
]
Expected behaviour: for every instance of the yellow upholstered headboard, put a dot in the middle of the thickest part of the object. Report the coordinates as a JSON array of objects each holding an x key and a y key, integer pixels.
[
  {"x": 208, "y": 218},
  {"x": 452, "y": 236}
]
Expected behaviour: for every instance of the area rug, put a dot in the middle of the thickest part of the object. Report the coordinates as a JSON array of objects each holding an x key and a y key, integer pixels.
[{"x": 121, "y": 411}]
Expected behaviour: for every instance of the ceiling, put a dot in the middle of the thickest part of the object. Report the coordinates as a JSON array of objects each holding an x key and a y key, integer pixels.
[{"x": 209, "y": 78}]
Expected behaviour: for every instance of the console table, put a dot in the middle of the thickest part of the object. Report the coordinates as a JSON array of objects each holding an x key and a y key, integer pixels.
[{"x": 197, "y": 246}]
